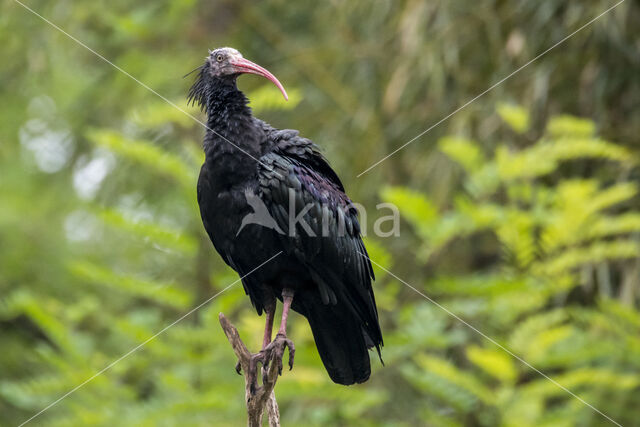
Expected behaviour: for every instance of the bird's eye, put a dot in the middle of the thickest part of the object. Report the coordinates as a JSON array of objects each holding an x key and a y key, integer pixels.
[{"x": 219, "y": 58}]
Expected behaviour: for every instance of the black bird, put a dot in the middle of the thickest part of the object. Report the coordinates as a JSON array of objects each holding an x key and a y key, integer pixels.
[{"x": 322, "y": 270}]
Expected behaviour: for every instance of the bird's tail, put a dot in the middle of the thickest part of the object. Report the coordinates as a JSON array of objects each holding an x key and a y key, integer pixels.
[{"x": 340, "y": 340}]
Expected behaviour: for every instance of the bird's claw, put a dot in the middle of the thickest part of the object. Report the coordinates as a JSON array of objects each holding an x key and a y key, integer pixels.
[
  {"x": 276, "y": 352},
  {"x": 239, "y": 368},
  {"x": 272, "y": 352}
]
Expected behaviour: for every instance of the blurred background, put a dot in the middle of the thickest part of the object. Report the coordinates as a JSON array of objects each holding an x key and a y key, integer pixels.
[{"x": 520, "y": 213}]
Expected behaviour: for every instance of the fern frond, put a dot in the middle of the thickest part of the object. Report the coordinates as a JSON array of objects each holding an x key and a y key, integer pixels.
[
  {"x": 515, "y": 116},
  {"x": 268, "y": 98},
  {"x": 145, "y": 153},
  {"x": 464, "y": 151},
  {"x": 596, "y": 252},
  {"x": 455, "y": 376},
  {"x": 163, "y": 293},
  {"x": 495, "y": 362},
  {"x": 163, "y": 235},
  {"x": 545, "y": 157},
  {"x": 566, "y": 125}
]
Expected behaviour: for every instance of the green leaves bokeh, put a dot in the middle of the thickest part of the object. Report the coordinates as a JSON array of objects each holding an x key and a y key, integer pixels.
[{"x": 520, "y": 213}]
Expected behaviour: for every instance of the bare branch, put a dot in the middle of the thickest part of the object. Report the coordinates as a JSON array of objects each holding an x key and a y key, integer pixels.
[{"x": 257, "y": 397}]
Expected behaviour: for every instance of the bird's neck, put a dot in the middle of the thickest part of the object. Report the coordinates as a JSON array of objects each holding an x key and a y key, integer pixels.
[{"x": 232, "y": 131}]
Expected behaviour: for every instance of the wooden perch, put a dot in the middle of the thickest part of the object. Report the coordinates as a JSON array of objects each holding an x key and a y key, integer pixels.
[{"x": 257, "y": 397}]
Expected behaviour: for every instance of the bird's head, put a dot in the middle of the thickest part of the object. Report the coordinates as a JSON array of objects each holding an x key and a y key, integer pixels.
[{"x": 226, "y": 63}]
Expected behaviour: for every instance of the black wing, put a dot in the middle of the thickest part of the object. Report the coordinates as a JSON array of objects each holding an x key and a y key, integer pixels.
[{"x": 327, "y": 239}]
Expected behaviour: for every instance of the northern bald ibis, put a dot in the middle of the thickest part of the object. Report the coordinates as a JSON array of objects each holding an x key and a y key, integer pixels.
[{"x": 322, "y": 270}]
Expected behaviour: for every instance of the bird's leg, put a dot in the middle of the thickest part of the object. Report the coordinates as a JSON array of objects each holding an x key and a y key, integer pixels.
[
  {"x": 275, "y": 350},
  {"x": 272, "y": 350},
  {"x": 268, "y": 327},
  {"x": 287, "y": 299},
  {"x": 270, "y": 311}
]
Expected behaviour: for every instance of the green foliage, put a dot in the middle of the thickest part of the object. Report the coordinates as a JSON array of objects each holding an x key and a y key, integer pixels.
[
  {"x": 146, "y": 230},
  {"x": 268, "y": 98},
  {"x": 145, "y": 154},
  {"x": 570, "y": 126},
  {"x": 516, "y": 117},
  {"x": 551, "y": 244},
  {"x": 524, "y": 223}
]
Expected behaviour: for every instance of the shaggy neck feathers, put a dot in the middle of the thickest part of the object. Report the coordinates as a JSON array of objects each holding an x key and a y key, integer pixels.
[{"x": 232, "y": 131}]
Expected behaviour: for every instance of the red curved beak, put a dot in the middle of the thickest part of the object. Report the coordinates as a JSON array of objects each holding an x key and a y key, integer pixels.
[{"x": 245, "y": 66}]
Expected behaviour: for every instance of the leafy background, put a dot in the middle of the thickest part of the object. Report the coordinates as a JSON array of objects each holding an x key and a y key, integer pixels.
[{"x": 520, "y": 214}]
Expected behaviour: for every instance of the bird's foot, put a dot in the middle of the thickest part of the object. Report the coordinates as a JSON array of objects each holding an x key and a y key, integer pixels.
[
  {"x": 272, "y": 353},
  {"x": 275, "y": 352}
]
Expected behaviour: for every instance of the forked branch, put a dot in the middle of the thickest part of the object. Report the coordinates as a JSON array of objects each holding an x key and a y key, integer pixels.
[{"x": 257, "y": 397}]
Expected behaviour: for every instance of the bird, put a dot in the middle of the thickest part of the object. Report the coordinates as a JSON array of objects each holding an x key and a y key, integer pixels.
[{"x": 311, "y": 255}]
